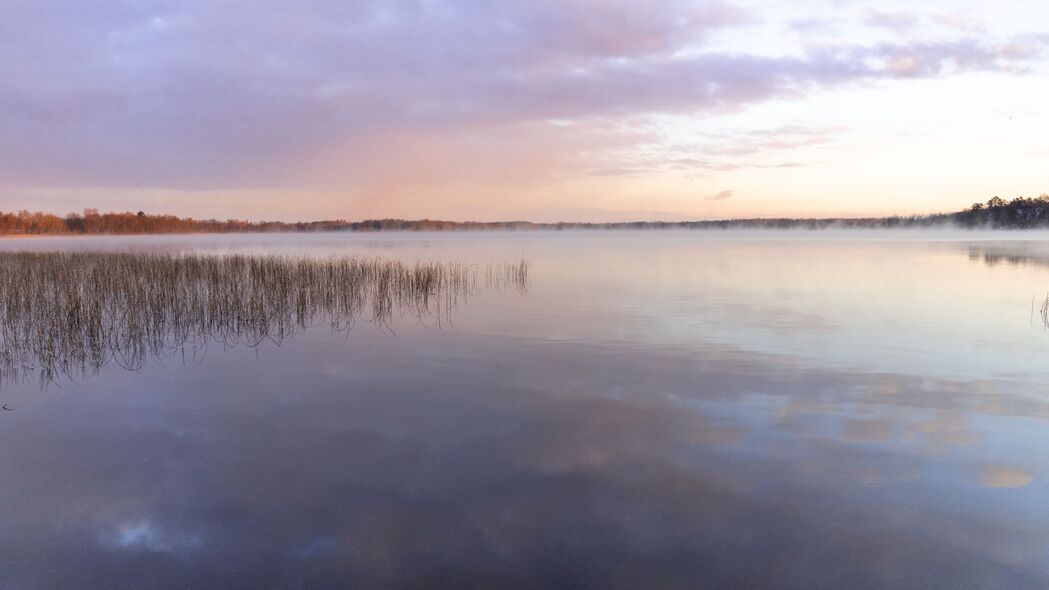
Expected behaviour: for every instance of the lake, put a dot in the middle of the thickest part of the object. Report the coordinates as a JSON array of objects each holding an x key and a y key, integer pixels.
[{"x": 864, "y": 409}]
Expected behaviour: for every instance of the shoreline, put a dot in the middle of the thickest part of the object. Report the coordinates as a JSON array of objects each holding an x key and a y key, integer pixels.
[{"x": 556, "y": 230}]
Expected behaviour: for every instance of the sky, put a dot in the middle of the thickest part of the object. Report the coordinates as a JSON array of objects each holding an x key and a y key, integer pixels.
[{"x": 541, "y": 110}]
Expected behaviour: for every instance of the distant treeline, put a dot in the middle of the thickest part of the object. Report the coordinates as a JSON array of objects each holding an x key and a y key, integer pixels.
[
  {"x": 91, "y": 221},
  {"x": 997, "y": 213}
]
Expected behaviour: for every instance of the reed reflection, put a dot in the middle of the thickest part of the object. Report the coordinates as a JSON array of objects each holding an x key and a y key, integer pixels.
[{"x": 69, "y": 314}]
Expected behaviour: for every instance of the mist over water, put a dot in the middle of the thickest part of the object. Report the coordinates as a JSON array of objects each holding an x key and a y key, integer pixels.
[{"x": 793, "y": 409}]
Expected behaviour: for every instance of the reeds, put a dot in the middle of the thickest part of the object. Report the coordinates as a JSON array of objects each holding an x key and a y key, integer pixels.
[{"x": 68, "y": 314}]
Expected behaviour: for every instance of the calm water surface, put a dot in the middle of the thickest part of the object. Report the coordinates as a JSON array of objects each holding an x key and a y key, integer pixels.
[{"x": 659, "y": 410}]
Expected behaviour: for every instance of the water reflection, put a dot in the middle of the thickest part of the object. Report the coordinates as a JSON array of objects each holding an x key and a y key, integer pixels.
[
  {"x": 1017, "y": 254},
  {"x": 662, "y": 411},
  {"x": 1011, "y": 253},
  {"x": 413, "y": 468},
  {"x": 65, "y": 314}
]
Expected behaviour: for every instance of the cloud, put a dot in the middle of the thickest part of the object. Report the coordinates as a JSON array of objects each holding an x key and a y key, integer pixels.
[
  {"x": 760, "y": 148},
  {"x": 959, "y": 22},
  {"x": 720, "y": 196},
  {"x": 893, "y": 21},
  {"x": 363, "y": 97},
  {"x": 814, "y": 24}
]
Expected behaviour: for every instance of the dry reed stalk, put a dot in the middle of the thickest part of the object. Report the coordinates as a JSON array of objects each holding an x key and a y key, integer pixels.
[{"x": 68, "y": 314}]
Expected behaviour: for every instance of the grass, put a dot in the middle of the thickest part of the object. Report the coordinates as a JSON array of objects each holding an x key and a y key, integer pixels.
[{"x": 69, "y": 314}]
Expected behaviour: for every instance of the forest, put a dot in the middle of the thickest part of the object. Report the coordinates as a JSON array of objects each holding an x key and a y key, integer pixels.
[{"x": 996, "y": 213}]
